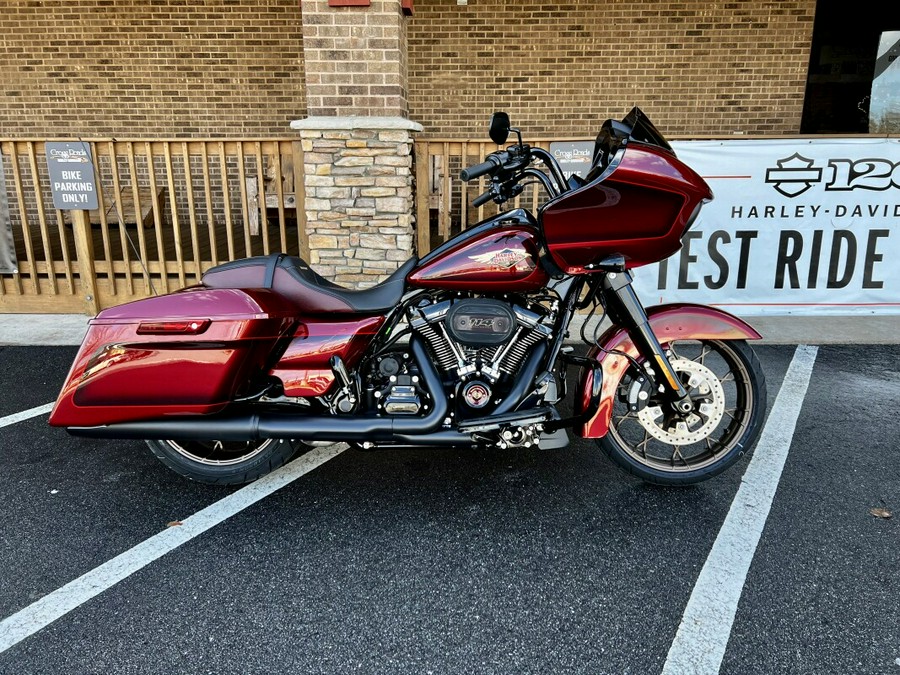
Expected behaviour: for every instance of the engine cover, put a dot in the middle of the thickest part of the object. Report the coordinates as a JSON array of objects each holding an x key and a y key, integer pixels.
[{"x": 480, "y": 322}]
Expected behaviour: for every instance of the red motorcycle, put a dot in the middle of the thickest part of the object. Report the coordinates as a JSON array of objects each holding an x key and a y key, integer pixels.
[{"x": 465, "y": 347}]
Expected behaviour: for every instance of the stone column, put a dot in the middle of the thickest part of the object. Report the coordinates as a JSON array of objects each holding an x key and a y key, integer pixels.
[{"x": 357, "y": 141}]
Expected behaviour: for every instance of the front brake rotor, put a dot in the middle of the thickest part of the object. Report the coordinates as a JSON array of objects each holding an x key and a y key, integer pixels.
[{"x": 708, "y": 397}]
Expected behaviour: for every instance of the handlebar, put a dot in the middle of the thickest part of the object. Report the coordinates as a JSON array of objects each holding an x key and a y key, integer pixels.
[
  {"x": 483, "y": 198},
  {"x": 508, "y": 167},
  {"x": 482, "y": 169},
  {"x": 494, "y": 161}
]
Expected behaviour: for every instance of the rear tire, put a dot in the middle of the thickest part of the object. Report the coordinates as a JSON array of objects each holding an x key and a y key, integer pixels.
[
  {"x": 224, "y": 462},
  {"x": 726, "y": 379}
]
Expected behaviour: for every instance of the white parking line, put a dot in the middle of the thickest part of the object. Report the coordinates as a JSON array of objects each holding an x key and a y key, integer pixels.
[
  {"x": 60, "y": 602},
  {"x": 25, "y": 415},
  {"x": 701, "y": 639}
]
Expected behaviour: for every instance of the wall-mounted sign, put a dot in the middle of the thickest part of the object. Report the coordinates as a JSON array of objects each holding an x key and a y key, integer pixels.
[
  {"x": 884, "y": 106},
  {"x": 574, "y": 157},
  {"x": 71, "y": 175},
  {"x": 8, "y": 263}
]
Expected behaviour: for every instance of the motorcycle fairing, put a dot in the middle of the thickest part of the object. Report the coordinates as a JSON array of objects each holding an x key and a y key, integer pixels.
[{"x": 669, "y": 322}]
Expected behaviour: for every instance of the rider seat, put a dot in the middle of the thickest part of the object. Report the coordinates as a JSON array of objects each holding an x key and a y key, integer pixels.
[{"x": 293, "y": 278}]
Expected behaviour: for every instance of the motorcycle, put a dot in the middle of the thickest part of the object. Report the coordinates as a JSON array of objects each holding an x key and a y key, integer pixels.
[{"x": 465, "y": 347}]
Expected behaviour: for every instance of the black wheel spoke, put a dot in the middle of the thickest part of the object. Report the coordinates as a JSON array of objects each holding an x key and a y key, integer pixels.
[
  {"x": 642, "y": 446},
  {"x": 704, "y": 350}
]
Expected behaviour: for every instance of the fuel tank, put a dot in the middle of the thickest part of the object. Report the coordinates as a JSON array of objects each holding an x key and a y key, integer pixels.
[{"x": 498, "y": 255}]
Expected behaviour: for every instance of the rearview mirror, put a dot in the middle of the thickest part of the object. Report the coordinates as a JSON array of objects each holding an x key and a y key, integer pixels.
[{"x": 499, "y": 131}]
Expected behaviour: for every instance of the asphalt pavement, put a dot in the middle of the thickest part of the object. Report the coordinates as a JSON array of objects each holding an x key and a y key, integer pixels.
[{"x": 448, "y": 561}]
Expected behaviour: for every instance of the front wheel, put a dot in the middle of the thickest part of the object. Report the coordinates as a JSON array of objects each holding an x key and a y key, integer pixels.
[
  {"x": 224, "y": 462},
  {"x": 728, "y": 390}
]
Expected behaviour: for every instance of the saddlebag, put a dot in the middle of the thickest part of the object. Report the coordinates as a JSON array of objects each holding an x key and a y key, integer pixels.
[{"x": 190, "y": 352}]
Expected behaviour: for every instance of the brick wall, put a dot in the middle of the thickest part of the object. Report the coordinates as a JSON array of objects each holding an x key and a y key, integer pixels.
[
  {"x": 355, "y": 58},
  {"x": 695, "y": 67},
  {"x": 235, "y": 67},
  {"x": 141, "y": 68}
]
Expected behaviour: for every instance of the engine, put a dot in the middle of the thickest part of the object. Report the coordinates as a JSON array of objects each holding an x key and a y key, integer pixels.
[{"x": 480, "y": 341}]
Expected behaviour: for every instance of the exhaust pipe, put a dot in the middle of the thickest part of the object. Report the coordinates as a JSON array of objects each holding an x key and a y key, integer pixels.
[
  {"x": 255, "y": 426},
  {"x": 250, "y": 427}
]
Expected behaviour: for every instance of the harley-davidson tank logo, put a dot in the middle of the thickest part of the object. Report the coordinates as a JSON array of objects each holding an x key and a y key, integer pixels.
[{"x": 508, "y": 257}]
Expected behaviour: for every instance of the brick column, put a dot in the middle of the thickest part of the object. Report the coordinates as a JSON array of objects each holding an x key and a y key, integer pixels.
[{"x": 357, "y": 142}]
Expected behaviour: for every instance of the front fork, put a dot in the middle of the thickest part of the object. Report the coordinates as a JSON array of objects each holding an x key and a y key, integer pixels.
[{"x": 624, "y": 308}]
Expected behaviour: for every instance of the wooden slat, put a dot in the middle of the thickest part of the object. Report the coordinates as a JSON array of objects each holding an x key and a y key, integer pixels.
[
  {"x": 45, "y": 303},
  {"x": 210, "y": 219},
  {"x": 423, "y": 218},
  {"x": 104, "y": 225},
  {"x": 300, "y": 198},
  {"x": 66, "y": 263},
  {"x": 279, "y": 191},
  {"x": 242, "y": 174},
  {"x": 261, "y": 184},
  {"x": 157, "y": 217},
  {"x": 171, "y": 267},
  {"x": 192, "y": 216},
  {"x": 226, "y": 193},
  {"x": 84, "y": 245},
  {"x": 42, "y": 218},
  {"x": 138, "y": 216},
  {"x": 120, "y": 215},
  {"x": 44, "y": 269},
  {"x": 26, "y": 225},
  {"x": 176, "y": 227},
  {"x": 446, "y": 195}
]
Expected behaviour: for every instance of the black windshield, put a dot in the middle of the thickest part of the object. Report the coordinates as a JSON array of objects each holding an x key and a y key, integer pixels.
[{"x": 644, "y": 131}]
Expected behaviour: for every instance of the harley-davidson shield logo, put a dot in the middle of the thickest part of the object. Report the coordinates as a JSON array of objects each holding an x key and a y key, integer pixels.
[{"x": 508, "y": 257}]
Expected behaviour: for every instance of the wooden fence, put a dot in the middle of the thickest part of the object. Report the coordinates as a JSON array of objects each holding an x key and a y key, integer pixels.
[{"x": 169, "y": 210}]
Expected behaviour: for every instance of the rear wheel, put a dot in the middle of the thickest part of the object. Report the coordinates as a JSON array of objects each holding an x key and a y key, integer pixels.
[
  {"x": 224, "y": 462},
  {"x": 728, "y": 390}
]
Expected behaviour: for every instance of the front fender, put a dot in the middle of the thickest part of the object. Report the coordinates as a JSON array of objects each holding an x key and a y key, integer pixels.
[{"x": 669, "y": 323}]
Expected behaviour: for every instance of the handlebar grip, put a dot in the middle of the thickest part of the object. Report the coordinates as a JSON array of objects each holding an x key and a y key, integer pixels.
[
  {"x": 482, "y": 169},
  {"x": 483, "y": 198}
]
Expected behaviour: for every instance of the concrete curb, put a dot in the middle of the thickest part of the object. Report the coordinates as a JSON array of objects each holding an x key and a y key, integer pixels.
[
  {"x": 42, "y": 329},
  {"x": 69, "y": 329}
]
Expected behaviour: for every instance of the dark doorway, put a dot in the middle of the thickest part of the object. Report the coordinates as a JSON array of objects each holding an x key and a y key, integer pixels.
[{"x": 842, "y": 62}]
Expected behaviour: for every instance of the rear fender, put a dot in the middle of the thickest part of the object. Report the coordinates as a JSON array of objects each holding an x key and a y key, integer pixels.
[{"x": 669, "y": 323}]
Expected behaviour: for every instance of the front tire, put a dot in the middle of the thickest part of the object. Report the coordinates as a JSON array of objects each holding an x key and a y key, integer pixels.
[
  {"x": 728, "y": 387},
  {"x": 224, "y": 462}
]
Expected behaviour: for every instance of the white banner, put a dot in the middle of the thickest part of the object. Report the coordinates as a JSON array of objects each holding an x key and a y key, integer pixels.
[{"x": 796, "y": 227}]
